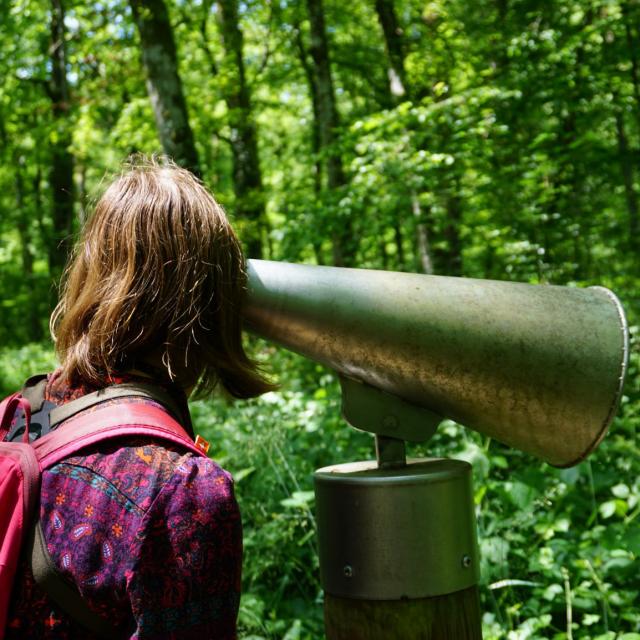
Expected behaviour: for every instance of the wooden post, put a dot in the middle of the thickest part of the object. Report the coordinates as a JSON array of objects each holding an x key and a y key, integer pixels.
[{"x": 455, "y": 616}]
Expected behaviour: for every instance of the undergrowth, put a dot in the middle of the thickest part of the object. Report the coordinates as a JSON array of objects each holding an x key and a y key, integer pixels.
[{"x": 559, "y": 549}]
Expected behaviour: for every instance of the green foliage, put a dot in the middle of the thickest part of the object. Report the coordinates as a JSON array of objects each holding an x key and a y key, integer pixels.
[
  {"x": 513, "y": 154},
  {"x": 19, "y": 363}
]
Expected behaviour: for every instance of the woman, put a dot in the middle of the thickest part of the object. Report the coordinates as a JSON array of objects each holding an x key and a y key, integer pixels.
[{"x": 149, "y": 534}]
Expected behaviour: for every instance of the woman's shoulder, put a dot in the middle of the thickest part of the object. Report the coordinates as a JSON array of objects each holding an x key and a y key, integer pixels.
[
  {"x": 134, "y": 469},
  {"x": 195, "y": 506}
]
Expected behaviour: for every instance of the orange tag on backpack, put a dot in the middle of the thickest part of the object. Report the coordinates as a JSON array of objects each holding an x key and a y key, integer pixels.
[{"x": 202, "y": 444}]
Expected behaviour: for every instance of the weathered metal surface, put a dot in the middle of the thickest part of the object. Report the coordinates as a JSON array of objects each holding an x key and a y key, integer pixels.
[
  {"x": 537, "y": 367},
  {"x": 396, "y": 533}
]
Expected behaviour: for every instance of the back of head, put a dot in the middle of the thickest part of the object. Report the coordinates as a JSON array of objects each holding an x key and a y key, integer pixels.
[{"x": 158, "y": 276}]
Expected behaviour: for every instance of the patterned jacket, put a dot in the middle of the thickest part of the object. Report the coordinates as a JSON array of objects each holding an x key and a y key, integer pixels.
[{"x": 150, "y": 535}]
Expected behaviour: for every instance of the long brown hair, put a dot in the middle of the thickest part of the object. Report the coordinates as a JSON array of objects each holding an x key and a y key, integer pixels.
[{"x": 158, "y": 273}]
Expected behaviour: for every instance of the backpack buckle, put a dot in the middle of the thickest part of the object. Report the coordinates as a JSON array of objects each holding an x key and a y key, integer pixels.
[{"x": 202, "y": 444}]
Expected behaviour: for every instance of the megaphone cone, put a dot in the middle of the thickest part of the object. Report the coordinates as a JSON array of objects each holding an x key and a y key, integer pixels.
[{"x": 537, "y": 367}]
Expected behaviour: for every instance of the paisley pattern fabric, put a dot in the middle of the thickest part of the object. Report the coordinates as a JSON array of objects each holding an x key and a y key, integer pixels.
[{"x": 150, "y": 535}]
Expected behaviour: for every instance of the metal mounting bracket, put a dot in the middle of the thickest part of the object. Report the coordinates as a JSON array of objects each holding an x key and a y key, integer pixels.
[
  {"x": 390, "y": 452},
  {"x": 370, "y": 409}
]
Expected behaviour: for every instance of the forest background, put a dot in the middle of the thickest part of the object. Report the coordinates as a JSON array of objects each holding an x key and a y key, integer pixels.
[{"x": 494, "y": 139}]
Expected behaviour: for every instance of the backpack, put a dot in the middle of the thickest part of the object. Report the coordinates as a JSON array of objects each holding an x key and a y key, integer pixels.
[{"x": 64, "y": 431}]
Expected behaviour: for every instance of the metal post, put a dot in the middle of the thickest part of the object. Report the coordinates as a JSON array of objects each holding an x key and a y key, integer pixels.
[{"x": 398, "y": 550}]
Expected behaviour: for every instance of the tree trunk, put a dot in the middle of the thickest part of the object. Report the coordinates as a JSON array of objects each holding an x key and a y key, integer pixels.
[
  {"x": 36, "y": 185},
  {"x": 206, "y": 7},
  {"x": 382, "y": 248},
  {"x": 315, "y": 129},
  {"x": 626, "y": 167},
  {"x": 82, "y": 213},
  {"x": 163, "y": 82},
  {"x": 574, "y": 165},
  {"x": 3, "y": 132},
  {"x": 61, "y": 168},
  {"x": 394, "y": 46},
  {"x": 634, "y": 54},
  {"x": 422, "y": 237},
  {"x": 397, "y": 236},
  {"x": 452, "y": 233},
  {"x": 315, "y": 135},
  {"x": 327, "y": 122},
  {"x": 327, "y": 112},
  {"x": 247, "y": 178},
  {"x": 22, "y": 226}
]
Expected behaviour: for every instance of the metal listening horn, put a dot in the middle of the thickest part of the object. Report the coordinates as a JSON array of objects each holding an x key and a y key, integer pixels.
[{"x": 537, "y": 367}]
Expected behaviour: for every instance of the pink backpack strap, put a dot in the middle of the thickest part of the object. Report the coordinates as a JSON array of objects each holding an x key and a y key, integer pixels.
[
  {"x": 111, "y": 421},
  {"x": 8, "y": 408}
]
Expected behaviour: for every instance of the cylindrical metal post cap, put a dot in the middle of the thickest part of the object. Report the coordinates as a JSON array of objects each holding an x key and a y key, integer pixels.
[{"x": 392, "y": 534}]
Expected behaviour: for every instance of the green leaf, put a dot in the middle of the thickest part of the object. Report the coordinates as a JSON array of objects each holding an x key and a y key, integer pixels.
[
  {"x": 620, "y": 491},
  {"x": 243, "y": 473},
  {"x": 299, "y": 499},
  {"x": 607, "y": 509}
]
